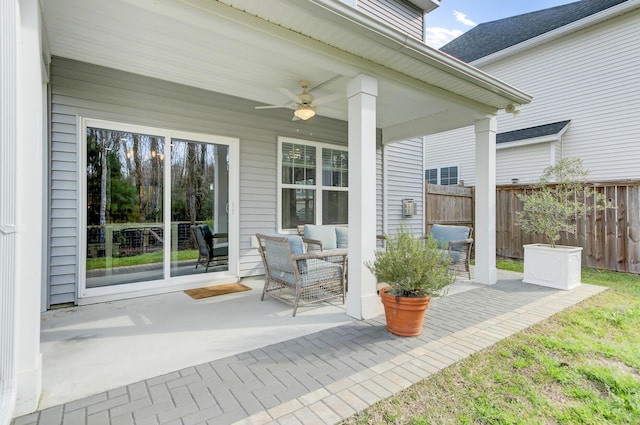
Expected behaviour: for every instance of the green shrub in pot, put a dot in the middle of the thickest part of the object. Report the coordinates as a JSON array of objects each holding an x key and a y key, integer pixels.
[{"x": 412, "y": 266}]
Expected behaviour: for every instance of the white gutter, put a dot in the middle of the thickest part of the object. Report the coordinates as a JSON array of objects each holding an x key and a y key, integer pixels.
[
  {"x": 596, "y": 18},
  {"x": 429, "y": 56}
]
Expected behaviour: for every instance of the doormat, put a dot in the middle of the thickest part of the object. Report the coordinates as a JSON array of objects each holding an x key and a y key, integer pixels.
[{"x": 214, "y": 291}]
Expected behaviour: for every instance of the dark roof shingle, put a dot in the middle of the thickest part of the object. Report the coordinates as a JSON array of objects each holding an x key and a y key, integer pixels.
[
  {"x": 532, "y": 132},
  {"x": 491, "y": 37}
]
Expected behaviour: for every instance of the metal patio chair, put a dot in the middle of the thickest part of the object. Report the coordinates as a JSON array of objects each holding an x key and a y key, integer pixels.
[{"x": 212, "y": 252}]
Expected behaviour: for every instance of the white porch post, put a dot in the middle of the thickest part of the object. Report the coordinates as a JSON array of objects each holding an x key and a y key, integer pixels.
[
  {"x": 8, "y": 100},
  {"x": 29, "y": 207},
  {"x": 362, "y": 300},
  {"x": 485, "y": 206}
]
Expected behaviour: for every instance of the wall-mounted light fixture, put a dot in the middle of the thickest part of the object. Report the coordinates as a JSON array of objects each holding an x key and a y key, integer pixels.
[{"x": 512, "y": 109}]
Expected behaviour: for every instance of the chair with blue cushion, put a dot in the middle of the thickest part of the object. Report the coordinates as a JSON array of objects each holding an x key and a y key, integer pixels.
[
  {"x": 456, "y": 241},
  {"x": 325, "y": 236},
  {"x": 211, "y": 249},
  {"x": 297, "y": 277}
]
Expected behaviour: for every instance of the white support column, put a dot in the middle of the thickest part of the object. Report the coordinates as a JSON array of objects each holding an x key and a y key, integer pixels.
[
  {"x": 29, "y": 208},
  {"x": 362, "y": 299},
  {"x": 8, "y": 105},
  {"x": 485, "y": 206}
]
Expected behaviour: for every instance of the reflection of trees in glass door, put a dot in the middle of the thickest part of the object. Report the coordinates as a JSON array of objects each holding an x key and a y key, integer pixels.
[
  {"x": 125, "y": 225},
  {"x": 199, "y": 197}
]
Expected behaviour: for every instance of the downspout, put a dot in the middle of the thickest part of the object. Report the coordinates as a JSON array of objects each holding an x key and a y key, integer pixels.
[
  {"x": 385, "y": 206},
  {"x": 8, "y": 181},
  {"x": 424, "y": 190}
]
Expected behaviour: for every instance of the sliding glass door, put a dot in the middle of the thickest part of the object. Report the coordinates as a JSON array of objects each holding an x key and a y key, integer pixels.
[
  {"x": 200, "y": 197},
  {"x": 147, "y": 192},
  {"x": 125, "y": 220}
]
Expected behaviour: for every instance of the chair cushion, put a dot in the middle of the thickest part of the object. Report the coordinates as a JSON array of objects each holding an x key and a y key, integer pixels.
[
  {"x": 321, "y": 271},
  {"x": 342, "y": 237},
  {"x": 295, "y": 241},
  {"x": 326, "y": 234},
  {"x": 297, "y": 247},
  {"x": 443, "y": 234},
  {"x": 208, "y": 237}
]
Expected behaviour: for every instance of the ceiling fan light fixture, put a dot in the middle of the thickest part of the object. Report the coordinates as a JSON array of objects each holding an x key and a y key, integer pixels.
[{"x": 304, "y": 112}]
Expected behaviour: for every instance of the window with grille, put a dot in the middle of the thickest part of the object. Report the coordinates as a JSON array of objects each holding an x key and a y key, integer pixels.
[{"x": 313, "y": 183}]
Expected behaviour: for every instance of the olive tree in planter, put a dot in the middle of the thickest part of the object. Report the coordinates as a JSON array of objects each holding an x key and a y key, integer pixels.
[
  {"x": 559, "y": 197},
  {"x": 415, "y": 270}
]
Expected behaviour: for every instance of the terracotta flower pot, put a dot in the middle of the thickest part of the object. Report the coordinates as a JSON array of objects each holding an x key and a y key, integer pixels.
[{"x": 404, "y": 315}]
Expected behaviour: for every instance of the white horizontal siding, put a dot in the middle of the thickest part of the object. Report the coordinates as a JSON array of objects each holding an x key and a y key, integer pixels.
[
  {"x": 596, "y": 84},
  {"x": 524, "y": 163},
  {"x": 590, "y": 77},
  {"x": 405, "y": 179},
  {"x": 80, "y": 89},
  {"x": 455, "y": 147}
]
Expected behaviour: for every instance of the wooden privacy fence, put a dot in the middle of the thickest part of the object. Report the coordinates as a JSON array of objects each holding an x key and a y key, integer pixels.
[
  {"x": 610, "y": 238},
  {"x": 448, "y": 205}
]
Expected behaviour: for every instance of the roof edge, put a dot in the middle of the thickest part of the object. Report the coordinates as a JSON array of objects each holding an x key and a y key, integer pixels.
[
  {"x": 596, "y": 18},
  {"x": 526, "y": 140},
  {"x": 426, "y": 54}
]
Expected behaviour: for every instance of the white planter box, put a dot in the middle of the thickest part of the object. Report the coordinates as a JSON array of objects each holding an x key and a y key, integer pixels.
[{"x": 558, "y": 267}]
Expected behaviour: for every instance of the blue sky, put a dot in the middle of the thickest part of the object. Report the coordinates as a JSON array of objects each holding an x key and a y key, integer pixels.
[{"x": 455, "y": 17}]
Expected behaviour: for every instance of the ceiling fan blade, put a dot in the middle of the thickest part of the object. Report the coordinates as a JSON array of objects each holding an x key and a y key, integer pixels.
[
  {"x": 324, "y": 83},
  {"x": 273, "y": 107},
  {"x": 290, "y": 105},
  {"x": 290, "y": 95},
  {"x": 328, "y": 99}
]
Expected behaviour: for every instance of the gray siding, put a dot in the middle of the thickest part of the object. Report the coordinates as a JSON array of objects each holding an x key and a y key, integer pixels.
[
  {"x": 399, "y": 14},
  {"x": 80, "y": 89},
  {"x": 405, "y": 179}
]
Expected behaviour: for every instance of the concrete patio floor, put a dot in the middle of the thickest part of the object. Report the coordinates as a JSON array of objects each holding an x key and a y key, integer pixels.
[{"x": 169, "y": 359}]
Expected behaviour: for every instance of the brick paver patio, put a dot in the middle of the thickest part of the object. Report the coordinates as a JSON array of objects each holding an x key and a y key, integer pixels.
[{"x": 323, "y": 377}]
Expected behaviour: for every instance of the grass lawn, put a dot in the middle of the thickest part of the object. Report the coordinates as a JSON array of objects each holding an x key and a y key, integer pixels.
[
  {"x": 581, "y": 366},
  {"x": 137, "y": 260}
]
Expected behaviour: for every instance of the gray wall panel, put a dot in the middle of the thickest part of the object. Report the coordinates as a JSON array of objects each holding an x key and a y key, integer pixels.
[
  {"x": 399, "y": 14},
  {"x": 80, "y": 89},
  {"x": 405, "y": 177}
]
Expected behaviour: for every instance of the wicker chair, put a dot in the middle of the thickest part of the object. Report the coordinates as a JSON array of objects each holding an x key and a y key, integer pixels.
[
  {"x": 457, "y": 242},
  {"x": 299, "y": 278}
]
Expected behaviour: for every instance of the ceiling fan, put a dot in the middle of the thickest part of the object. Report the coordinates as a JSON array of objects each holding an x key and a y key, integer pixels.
[{"x": 304, "y": 104}]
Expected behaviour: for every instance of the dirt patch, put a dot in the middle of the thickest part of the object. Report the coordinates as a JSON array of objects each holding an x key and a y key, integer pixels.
[{"x": 615, "y": 365}]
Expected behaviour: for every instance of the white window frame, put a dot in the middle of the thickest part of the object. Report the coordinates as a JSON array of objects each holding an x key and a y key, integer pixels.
[
  {"x": 439, "y": 173},
  {"x": 431, "y": 169},
  {"x": 457, "y": 167},
  {"x": 318, "y": 187},
  {"x": 108, "y": 293}
]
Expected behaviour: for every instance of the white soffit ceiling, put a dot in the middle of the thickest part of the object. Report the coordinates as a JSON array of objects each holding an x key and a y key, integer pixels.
[{"x": 213, "y": 46}]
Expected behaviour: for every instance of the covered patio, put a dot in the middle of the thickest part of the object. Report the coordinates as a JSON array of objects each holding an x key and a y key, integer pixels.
[
  {"x": 198, "y": 68},
  {"x": 170, "y": 358}
]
